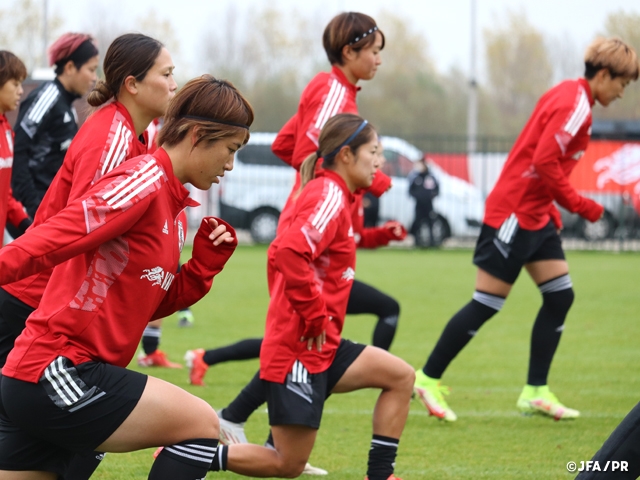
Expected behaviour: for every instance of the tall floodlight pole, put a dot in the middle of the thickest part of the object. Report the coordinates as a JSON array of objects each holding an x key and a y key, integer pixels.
[
  {"x": 45, "y": 31},
  {"x": 472, "y": 108}
]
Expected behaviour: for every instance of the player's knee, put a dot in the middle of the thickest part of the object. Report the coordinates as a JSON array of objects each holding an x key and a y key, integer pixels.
[
  {"x": 208, "y": 424},
  {"x": 404, "y": 378},
  {"x": 391, "y": 308},
  {"x": 559, "y": 301},
  {"x": 562, "y": 300},
  {"x": 557, "y": 293},
  {"x": 291, "y": 468}
]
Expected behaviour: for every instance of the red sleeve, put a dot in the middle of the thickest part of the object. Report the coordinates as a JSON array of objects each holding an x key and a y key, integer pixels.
[
  {"x": 307, "y": 238},
  {"x": 285, "y": 141},
  {"x": 546, "y": 160},
  {"x": 371, "y": 237},
  {"x": 15, "y": 210},
  {"x": 80, "y": 227},
  {"x": 323, "y": 98},
  {"x": 374, "y": 237},
  {"x": 196, "y": 276},
  {"x": 381, "y": 183}
]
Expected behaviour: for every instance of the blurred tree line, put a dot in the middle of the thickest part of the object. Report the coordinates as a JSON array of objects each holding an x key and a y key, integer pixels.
[{"x": 271, "y": 54}]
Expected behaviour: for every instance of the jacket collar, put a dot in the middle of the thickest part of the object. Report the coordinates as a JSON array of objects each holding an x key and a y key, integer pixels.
[
  {"x": 70, "y": 97},
  {"x": 339, "y": 180},
  {"x": 585, "y": 84},
  {"x": 142, "y": 138},
  {"x": 178, "y": 191},
  {"x": 344, "y": 80}
]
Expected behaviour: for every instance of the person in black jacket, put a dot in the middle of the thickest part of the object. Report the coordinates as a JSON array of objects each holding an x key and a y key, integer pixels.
[
  {"x": 424, "y": 187},
  {"x": 47, "y": 120}
]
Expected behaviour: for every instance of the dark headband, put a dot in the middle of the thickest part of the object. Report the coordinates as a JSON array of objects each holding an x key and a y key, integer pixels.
[
  {"x": 348, "y": 140},
  {"x": 80, "y": 55},
  {"x": 215, "y": 120},
  {"x": 364, "y": 35}
]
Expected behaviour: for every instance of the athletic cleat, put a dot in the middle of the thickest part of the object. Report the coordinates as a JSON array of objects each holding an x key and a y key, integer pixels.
[
  {"x": 311, "y": 470},
  {"x": 430, "y": 392},
  {"x": 392, "y": 477},
  {"x": 185, "y": 318},
  {"x": 156, "y": 359},
  {"x": 541, "y": 400},
  {"x": 196, "y": 365},
  {"x": 231, "y": 433}
]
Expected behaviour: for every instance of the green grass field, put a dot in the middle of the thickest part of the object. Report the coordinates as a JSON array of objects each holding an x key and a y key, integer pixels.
[{"x": 595, "y": 370}]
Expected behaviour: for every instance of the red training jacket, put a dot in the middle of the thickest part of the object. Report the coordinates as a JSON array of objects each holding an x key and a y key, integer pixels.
[
  {"x": 324, "y": 97},
  {"x": 310, "y": 279},
  {"x": 117, "y": 248},
  {"x": 103, "y": 142},
  {"x": 537, "y": 170},
  {"x": 11, "y": 210}
]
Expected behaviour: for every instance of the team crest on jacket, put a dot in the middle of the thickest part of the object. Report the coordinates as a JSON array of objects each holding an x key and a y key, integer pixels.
[
  {"x": 348, "y": 274},
  {"x": 158, "y": 276},
  {"x": 180, "y": 235}
]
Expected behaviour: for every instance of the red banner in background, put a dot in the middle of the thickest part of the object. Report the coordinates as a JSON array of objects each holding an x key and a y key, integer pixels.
[
  {"x": 610, "y": 166},
  {"x": 455, "y": 164}
]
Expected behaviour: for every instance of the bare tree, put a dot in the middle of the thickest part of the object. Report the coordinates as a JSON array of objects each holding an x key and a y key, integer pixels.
[
  {"x": 566, "y": 58},
  {"x": 519, "y": 68},
  {"x": 19, "y": 30}
]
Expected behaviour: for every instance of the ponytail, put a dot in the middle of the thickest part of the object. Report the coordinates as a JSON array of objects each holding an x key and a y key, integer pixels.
[
  {"x": 100, "y": 94},
  {"x": 308, "y": 169}
]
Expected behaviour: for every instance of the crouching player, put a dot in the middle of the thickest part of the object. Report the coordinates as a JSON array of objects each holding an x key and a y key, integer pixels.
[
  {"x": 303, "y": 357},
  {"x": 64, "y": 389}
]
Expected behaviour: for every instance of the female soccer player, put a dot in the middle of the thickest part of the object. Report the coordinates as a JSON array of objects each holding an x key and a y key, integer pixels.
[
  {"x": 521, "y": 226},
  {"x": 12, "y": 74},
  {"x": 303, "y": 358},
  {"x": 141, "y": 90},
  {"x": 112, "y": 135},
  {"x": 65, "y": 388},
  {"x": 47, "y": 120}
]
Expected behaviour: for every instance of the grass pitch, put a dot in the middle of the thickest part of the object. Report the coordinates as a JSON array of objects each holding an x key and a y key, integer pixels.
[{"x": 596, "y": 368}]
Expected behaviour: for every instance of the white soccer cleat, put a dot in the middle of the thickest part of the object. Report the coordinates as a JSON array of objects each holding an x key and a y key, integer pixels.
[
  {"x": 311, "y": 470},
  {"x": 231, "y": 433}
]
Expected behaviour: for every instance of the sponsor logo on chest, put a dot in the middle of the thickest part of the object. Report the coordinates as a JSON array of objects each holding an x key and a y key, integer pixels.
[
  {"x": 349, "y": 274},
  {"x": 157, "y": 276}
]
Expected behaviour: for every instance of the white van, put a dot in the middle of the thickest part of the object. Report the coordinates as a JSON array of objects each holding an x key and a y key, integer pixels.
[{"x": 252, "y": 196}]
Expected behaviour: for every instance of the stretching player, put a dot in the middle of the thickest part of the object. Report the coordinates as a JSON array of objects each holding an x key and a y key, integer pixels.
[
  {"x": 522, "y": 224},
  {"x": 12, "y": 74},
  {"x": 303, "y": 358},
  {"x": 65, "y": 388},
  {"x": 113, "y": 134}
]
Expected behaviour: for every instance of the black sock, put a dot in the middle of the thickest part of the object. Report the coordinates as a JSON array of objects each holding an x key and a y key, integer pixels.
[
  {"x": 150, "y": 339},
  {"x": 382, "y": 457},
  {"x": 242, "y": 350},
  {"x": 270, "y": 443},
  {"x": 460, "y": 330},
  {"x": 188, "y": 460},
  {"x": 247, "y": 401},
  {"x": 219, "y": 463},
  {"x": 83, "y": 465},
  {"x": 364, "y": 298},
  {"x": 385, "y": 331},
  {"x": 546, "y": 333}
]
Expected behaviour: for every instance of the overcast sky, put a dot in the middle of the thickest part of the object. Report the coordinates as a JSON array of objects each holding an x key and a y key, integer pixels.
[{"x": 446, "y": 24}]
